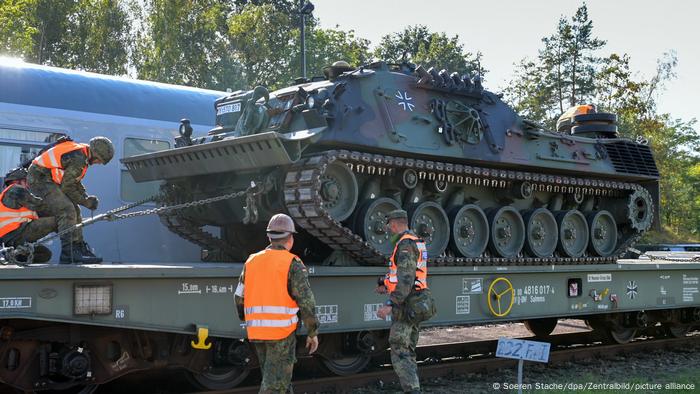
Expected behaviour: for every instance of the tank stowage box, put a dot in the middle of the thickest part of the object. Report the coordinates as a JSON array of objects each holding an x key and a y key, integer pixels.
[{"x": 481, "y": 184}]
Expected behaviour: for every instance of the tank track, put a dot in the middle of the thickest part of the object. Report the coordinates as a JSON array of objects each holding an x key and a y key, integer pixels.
[
  {"x": 304, "y": 203},
  {"x": 194, "y": 233}
]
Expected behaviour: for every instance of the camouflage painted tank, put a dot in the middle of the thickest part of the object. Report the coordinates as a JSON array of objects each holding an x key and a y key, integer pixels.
[{"x": 481, "y": 185}]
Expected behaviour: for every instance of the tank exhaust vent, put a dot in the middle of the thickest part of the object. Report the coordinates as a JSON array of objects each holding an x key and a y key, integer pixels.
[{"x": 632, "y": 158}]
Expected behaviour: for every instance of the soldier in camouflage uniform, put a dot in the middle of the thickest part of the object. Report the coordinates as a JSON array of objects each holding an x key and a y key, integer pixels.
[
  {"x": 263, "y": 275},
  {"x": 55, "y": 176},
  {"x": 402, "y": 281},
  {"x": 16, "y": 196}
]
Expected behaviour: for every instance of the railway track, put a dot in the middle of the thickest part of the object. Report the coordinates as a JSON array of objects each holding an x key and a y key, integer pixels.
[{"x": 444, "y": 360}]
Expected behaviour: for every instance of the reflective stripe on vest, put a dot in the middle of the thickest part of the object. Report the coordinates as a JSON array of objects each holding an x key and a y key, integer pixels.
[
  {"x": 421, "y": 282},
  {"x": 270, "y": 312},
  {"x": 11, "y": 219},
  {"x": 51, "y": 159}
]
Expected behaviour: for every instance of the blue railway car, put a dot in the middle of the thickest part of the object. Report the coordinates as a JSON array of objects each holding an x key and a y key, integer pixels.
[{"x": 39, "y": 103}]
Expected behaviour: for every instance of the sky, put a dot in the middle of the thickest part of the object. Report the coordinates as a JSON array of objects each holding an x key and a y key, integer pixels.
[{"x": 507, "y": 31}]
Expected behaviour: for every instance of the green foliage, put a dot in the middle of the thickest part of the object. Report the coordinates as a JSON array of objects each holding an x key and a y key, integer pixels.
[
  {"x": 419, "y": 45},
  {"x": 566, "y": 73},
  {"x": 91, "y": 35},
  {"x": 184, "y": 42},
  {"x": 17, "y": 27}
]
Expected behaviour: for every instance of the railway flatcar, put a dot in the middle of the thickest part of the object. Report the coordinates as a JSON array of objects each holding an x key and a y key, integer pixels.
[{"x": 71, "y": 326}]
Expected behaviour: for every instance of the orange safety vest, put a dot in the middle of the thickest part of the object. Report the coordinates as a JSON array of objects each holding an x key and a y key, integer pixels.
[
  {"x": 270, "y": 312},
  {"x": 11, "y": 219},
  {"x": 51, "y": 159},
  {"x": 391, "y": 279}
]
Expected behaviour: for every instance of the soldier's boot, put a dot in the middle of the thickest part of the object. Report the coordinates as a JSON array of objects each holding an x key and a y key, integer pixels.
[
  {"x": 87, "y": 251},
  {"x": 72, "y": 253}
]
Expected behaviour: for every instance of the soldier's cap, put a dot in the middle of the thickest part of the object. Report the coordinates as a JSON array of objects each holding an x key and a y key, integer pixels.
[
  {"x": 280, "y": 226},
  {"x": 15, "y": 174},
  {"x": 397, "y": 214}
]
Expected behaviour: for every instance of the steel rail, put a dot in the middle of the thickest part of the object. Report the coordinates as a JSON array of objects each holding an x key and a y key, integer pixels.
[{"x": 485, "y": 363}]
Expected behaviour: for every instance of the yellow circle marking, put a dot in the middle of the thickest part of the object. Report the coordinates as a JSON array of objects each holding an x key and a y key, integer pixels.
[{"x": 497, "y": 310}]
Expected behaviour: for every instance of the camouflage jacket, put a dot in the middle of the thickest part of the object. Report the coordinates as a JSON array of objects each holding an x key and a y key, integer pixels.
[
  {"x": 406, "y": 261},
  {"x": 19, "y": 196},
  {"x": 299, "y": 289},
  {"x": 73, "y": 165}
]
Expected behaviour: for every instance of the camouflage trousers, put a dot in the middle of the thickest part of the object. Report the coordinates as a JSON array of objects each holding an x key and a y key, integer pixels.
[
  {"x": 30, "y": 232},
  {"x": 277, "y": 360},
  {"x": 403, "y": 338},
  {"x": 58, "y": 205}
]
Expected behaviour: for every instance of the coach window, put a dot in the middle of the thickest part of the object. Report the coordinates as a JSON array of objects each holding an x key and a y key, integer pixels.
[
  {"x": 130, "y": 190},
  {"x": 19, "y": 146}
]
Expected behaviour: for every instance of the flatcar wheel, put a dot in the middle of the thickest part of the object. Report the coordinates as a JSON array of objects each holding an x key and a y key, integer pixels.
[
  {"x": 542, "y": 234},
  {"x": 676, "y": 330},
  {"x": 622, "y": 335},
  {"x": 541, "y": 327},
  {"x": 429, "y": 221},
  {"x": 573, "y": 233},
  {"x": 603, "y": 236},
  {"x": 470, "y": 231},
  {"x": 219, "y": 378},
  {"x": 339, "y": 190},
  {"x": 507, "y": 231},
  {"x": 371, "y": 223},
  {"x": 347, "y": 364}
]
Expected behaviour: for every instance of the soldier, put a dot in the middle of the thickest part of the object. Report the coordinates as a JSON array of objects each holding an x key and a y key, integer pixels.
[
  {"x": 19, "y": 221},
  {"x": 407, "y": 286},
  {"x": 55, "y": 176},
  {"x": 272, "y": 290}
]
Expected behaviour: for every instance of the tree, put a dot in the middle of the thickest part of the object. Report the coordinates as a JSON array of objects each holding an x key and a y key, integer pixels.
[
  {"x": 17, "y": 27},
  {"x": 184, "y": 42},
  {"x": 565, "y": 68},
  {"x": 419, "y": 45},
  {"x": 326, "y": 46},
  {"x": 91, "y": 35}
]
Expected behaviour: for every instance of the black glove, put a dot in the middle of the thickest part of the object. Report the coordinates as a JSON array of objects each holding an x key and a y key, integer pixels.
[{"x": 91, "y": 203}]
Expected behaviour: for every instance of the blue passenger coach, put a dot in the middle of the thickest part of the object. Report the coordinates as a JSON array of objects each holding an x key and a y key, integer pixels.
[{"x": 39, "y": 103}]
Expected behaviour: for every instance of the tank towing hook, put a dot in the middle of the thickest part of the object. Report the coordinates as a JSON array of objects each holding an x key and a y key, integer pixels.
[{"x": 202, "y": 336}]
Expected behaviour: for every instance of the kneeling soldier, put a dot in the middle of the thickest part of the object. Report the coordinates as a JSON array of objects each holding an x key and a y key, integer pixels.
[
  {"x": 19, "y": 222},
  {"x": 272, "y": 290}
]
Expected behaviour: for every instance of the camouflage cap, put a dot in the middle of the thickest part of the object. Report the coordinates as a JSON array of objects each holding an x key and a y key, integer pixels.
[
  {"x": 102, "y": 148},
  {"x": 15, "y": 174},
  {"x": 280, "y": 226},
  {"x": 397, "y": 214}
]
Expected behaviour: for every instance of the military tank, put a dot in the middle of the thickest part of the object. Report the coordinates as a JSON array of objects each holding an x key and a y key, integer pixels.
[{"x": 482, "y": 185}]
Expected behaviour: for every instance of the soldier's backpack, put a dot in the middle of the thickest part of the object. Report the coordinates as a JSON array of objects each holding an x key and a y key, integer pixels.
[{"x": 420, "y": 306}]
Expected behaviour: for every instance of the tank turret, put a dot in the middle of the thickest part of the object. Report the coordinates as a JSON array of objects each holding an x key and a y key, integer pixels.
[{"x": 481, "y": 184}]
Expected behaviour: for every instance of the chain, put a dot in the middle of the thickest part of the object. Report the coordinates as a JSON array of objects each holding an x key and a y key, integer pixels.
[
  {"x": 155, "y": 211},
  {"x": 695, "y": 258},
  {"x": 8, "y": 255}
]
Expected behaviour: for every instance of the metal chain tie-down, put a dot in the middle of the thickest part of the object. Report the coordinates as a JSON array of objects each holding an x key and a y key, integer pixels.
[{"x": 10, "y": 253}]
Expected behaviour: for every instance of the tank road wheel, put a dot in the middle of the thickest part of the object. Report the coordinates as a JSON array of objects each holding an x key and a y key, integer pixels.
[
  {"x": 603, "y": 236},
  {"x": 507, "y": 231},
  {"x": 371, "y": 223},
  {"x": 339, "y": 190},
  {"x": 470, "y": 231},
  {"x": 542, "y": 234},
  {"x": 430, "y": 222},
  {"x": 219, "y": 378},
  {"x": 347, "y": 364},
  {"x": 541, "y": 328},
  {"x": 573, "y": 233}
]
